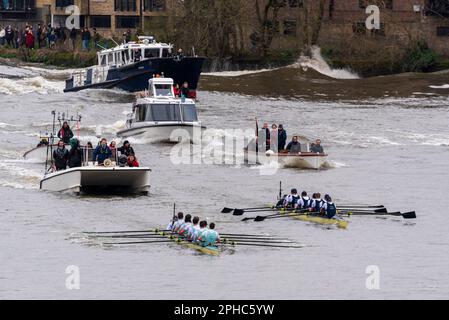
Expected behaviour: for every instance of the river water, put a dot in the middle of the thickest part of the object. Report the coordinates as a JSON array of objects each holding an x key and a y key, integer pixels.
[{"x": 388, "y": 140}]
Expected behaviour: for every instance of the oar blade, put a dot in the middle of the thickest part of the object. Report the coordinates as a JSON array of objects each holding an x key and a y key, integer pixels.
[
  {"x": 259, "y": 218},
  {"x": 409, "y": 215},
  {"x": 383, "y": 210},
  {"x": 226, "y": 210},
  {"x": 238, "y": 212},
  {"x": 246, "y": 219}
]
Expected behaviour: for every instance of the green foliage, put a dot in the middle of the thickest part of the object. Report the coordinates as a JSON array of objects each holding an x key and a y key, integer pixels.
[{"x": 419, "y": 58}]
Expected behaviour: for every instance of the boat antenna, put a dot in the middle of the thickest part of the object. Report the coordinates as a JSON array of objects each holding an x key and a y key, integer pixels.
[
  {"x": 101, "y": 47},
  {"x": 257, "y": 137},
  {"x": 280, "y": 190},
  {"x": 174, "y": 213},
  {"x": 114, "y": 41}
]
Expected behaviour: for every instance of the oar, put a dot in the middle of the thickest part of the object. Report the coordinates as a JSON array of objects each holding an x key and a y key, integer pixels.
[
  {"x": 262, "y": 218},
  {"x": 266, "y": 245},
  {"x": 256, "y": 241},
  {"x": 128, "y": 231},
  {"x": 227, "y": 210},
  {"x": 405, "y": 215},
  {"x": 239, "y": 212},
  {"x": 360, "y": 206},
  {"x": 137, "y": 242},
  {"x": 383, "y": 210}
]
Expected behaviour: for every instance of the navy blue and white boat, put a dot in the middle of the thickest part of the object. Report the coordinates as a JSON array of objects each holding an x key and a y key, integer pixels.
[{"x": 129, "y": 66}]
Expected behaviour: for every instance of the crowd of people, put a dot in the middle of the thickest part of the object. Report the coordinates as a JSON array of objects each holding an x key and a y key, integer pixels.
[
  {"x": 303, "y": 202},
  {"x": 47, "y": 36},
  {"x": 275, "y": 139},
  {"x": 194, "y": 230},
  {"x": 63, "y": 157}
]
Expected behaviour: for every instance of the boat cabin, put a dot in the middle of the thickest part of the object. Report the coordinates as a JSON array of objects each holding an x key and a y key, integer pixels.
[
  {"x": 160, "y": 104},
  {"x": 132, "y": 52}
]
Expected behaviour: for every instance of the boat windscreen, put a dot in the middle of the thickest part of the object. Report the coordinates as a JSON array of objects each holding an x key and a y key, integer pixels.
[
  {"x": 152, "y": 53},
  {"x": 189, "y": 113},
  {"x": 163, "y": 90},
  {"x": 158, "y": 112}
]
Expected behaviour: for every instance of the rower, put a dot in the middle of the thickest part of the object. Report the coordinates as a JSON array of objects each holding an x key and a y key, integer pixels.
[
  {"x": 193, "y": 229},
  {"x": 209, "y": 237},
  {"x": 201, "y": 230},
  {"x": 291, "y": 200},
  {"x": 178, "y": 222},
  {"x": 328, "y": 207},
  {"x": 316, "y": 203},
  {"x": 304, "y": 203},
  {"x": 182, "y": 230}
]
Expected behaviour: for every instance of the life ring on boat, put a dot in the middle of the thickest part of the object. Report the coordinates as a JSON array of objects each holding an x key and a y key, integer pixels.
[{"x": 107, "y": 163}]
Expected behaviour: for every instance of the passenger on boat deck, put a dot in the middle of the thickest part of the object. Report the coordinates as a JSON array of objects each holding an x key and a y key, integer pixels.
[
  {"x": 184, "y": 92},
  {"x": 328, "y": 207},
  {"x": 132, "y": 161},
  {"x": 274, "y": 138},
  {"x": 182, "y": 231},
  {"x": 43, "y": 142},
  {"x": 316, "y": 203},
  {"x": 137, "y": 55},
  {"x": 304, "y": 202},
  {"x": 192, "y": 231},
  {"x": 75, "y": 154},
  {"x": 126, "y": 149},
  {"x": 317, "y": 147},
  {"x": 102, "y": 152},
  {"x": 176, "y": 90},
  {"x": 113, "y": 147},
  {"x": 282, "y": 138},
  {"x": 291, "y": 200},
  {"x": 209, "y": 237},
  {"x": 65, "y": 133},
  {"x": 60, "y": 156},
  {"x": 177, "y": 223},
  {"x": 264, "y": 138},
  {"x": 179, "y": 54},
  {"x": 294, "y": 146}
]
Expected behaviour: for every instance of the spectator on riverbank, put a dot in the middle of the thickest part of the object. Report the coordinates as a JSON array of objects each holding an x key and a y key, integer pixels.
[
  {"x": 29, "y": 38},
  {"x": 9, "y": 36},
  {"x": 2, "y": 36},
  {"x": 39, "y": 36},
  {"x": 73, "y": 35},
  {"x": 16, "y": 38},
  {"x": 85, "y": 37}
]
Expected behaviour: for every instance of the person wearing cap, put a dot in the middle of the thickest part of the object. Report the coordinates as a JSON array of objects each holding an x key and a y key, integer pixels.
[
  {"x": 126, "y": 149},
  {"x": 328, "y": 207},
  {"x": 75, "y": 154},
  {"x": 282, "y": 137}
]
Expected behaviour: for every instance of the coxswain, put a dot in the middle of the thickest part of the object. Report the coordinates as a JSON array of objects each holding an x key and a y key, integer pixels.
[
  {"x": 316, "y": 203},
  {"x": 183, "y": 228},
  {"x": 179, "y": 219},
  {"x": 328, "y": 207},
  {"x": 209, "y": 237},
  {"x": 304, "y": 203},
  {"x": 291, "y": 200},
  {"x": 193, "y": 229}
]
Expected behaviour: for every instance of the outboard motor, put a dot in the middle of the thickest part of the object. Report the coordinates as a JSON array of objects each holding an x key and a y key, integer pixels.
[{"x": 122, "y": 160}]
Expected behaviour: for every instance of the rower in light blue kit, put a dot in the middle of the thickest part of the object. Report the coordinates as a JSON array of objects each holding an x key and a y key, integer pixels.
[
  {"x": 209, "y": 237},
  {"x": 185, "y": 226}
]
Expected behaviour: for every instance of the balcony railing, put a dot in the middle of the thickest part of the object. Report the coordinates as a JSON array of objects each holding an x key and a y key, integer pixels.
[{"x": 17, "y": 6}]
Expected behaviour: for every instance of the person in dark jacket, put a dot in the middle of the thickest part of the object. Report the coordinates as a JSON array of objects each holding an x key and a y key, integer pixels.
[
  {"x": 75, "y": 154},
  {"x": 282, "y": 138},
  {"x": 126, "y": 149},
  {"x": 73, "y": 35},
  {"x": 184, "y": 91},
  {"x": 85, "y": 37},
  {"x": 102, "y": 152},
  {"x": 65, "y": 133},
  {"x": 60, "y": 156},
  {"x": 317, "y": 147},
  {"x": 294, "y": 146}
]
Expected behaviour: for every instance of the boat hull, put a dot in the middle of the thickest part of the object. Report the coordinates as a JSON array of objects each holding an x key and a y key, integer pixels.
[
  {"x": 97, "y": 179},
  {"x": 134, "y": 77},
  {"x": 317, "y": 219},
  {"x": 305, "y": 160},
  {"x": 168, "y": 133},
  {"x": 209, "y": 250}
]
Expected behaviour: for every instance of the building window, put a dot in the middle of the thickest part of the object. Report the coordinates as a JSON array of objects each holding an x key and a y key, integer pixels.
[
  {"x": 64, "y": 3},
  {"x": 295, "y": 3},
  {"x": 443, "y": 31},
  {"x": 125, "y": 5},
  {"x": 290, "y": 27},
  {"x": 385, "y": 4},
  {"x": 100, "y": 21},
  {"x": 359, "y": 28},
  {"x": 154, "y": 5},
  {"x": 124, "y": 22}
]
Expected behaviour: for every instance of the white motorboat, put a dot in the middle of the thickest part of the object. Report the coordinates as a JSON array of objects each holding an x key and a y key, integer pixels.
[
  {"x": 160, "y": 116},
  {"x": 99, "y": 179},
  {"x": 302, "y": 159}
]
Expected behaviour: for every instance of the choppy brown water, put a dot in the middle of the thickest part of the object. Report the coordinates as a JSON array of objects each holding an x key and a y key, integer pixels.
[{"x": 390, "y": 149}]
